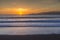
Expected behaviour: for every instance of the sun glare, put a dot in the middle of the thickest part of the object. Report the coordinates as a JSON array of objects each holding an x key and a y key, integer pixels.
[{"x": 22, "y": 11}]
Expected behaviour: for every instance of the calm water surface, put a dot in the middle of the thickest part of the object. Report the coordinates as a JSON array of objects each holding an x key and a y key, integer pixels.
[{"x": 29, "y": 30}]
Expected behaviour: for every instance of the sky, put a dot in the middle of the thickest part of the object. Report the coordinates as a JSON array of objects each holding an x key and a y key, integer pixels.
[{"x": 32, "y": 5}]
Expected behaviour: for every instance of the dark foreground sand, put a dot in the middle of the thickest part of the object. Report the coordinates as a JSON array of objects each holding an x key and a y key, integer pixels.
[{"x": 30, "y": 37}]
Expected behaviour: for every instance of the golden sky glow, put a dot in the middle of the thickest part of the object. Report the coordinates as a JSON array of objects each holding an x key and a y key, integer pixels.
[
  {"x": 22, "y": 11},
  {"x": 19, "y": 11},
  {"x": 28, "y": 6}
]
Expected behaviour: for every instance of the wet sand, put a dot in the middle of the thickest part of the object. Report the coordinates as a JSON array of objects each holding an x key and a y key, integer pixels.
[{"x": 30, "y": 37}]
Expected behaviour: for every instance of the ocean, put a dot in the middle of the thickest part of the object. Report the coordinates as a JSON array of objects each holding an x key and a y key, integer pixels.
[{"x": 29, "y": 24}]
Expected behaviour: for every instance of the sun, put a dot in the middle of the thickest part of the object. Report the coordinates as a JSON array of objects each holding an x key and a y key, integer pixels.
[{"x": 22, "y": 11}]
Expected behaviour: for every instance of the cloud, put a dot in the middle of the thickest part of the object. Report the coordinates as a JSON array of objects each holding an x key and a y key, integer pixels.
[{"x": 58, "y": 0}]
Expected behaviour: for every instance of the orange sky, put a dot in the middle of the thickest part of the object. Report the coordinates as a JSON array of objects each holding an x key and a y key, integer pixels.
[
  {"x": 32, "y": 6},
  {"x": 22, "y": 11}
]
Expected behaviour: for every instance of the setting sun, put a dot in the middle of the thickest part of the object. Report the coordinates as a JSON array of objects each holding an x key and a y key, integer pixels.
[{"x": 22, "y": 11}]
